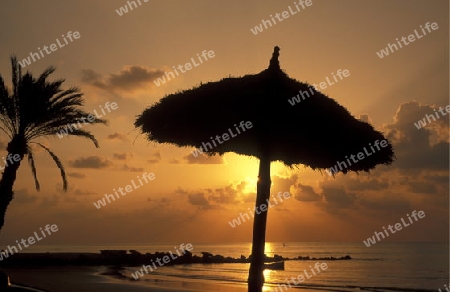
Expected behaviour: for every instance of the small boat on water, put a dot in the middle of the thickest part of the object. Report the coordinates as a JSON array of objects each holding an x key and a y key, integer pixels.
[{"x": 275, "y": 266}]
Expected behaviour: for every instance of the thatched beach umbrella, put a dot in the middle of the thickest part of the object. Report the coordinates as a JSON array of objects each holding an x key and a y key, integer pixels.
[{"x": 255, "y": 113}]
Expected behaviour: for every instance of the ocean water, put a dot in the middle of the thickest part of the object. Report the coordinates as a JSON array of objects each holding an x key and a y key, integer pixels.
[{"x": 381, "y": 267}]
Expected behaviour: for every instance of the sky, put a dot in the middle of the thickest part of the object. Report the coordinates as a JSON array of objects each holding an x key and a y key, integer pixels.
[{"x": 116, "y": 58}]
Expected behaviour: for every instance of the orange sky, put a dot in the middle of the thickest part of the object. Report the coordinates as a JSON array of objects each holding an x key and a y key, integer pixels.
[{"x": 117, "y": 58}]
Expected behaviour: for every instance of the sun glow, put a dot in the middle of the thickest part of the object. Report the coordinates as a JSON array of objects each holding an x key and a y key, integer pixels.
[
  {"x": 268, "y": 251},
  {"x": 250, "y": 185}
]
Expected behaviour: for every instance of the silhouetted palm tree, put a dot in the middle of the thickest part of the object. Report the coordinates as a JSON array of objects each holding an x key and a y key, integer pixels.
[
  {"x": 316, "y": 132},
  {"x": 34, "y": 108}
]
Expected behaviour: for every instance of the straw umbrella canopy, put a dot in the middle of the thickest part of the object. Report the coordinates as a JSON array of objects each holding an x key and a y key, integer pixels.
[{"x": 260, "y": 121}]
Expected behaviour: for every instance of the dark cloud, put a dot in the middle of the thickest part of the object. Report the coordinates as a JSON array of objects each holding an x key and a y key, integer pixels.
[
  {"x": 438, "y": 178},
  {"x": 117, "y": 136},
  {"x": 130, "y": 78},
  {"x": 95, "y": 162},
  {"x": 23, "y": 197},
  {"x": 93, "y": 78},
  {"x": 419, "y": 149},
  {"x": 155, "y": 157},
  {"x": 50, "y": 201},
  {"x": 180, "y": 191},
  {"x": 132, "y": 169},
  {"x": 364, "y": 183},
  {"x": 232, "y": 194},
  {"x": 388, "y": 204},
  {"x": 120, "y": 156},
  {"x": 76, "y": 175},
  {"x": 306, "y": 193},
  {"x": 283, "y": 184},
  {"x": 421, "y": 187},
  {"x": 197, "y": 199},
  {"x": 164, "y": 201},
  {"x": 336, "y": 197},
  {"x": 203, "y": 159},
  {"x": 226, "y": 195},
  {"x": 83, "y": 192}
]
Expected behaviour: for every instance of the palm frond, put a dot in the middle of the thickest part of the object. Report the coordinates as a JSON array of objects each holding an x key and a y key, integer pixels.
[
  {"x": 85, "y": 134},
  {"x": 59, "y": 164},
  {"x": 33, "y": 168}
]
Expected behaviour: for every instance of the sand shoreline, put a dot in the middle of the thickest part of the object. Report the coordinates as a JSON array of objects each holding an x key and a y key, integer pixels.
[{"x": 90, "y": 279}]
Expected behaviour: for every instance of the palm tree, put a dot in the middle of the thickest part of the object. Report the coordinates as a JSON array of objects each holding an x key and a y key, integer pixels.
[{"x": 33, "y": 108}]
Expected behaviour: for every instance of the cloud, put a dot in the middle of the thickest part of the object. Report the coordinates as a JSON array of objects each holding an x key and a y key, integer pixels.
[
  {"x": 23, "y": 197},
  {"x": 95, "y": 162},
  {"x": 174, "y": 161},
  {"x": 283, "y": 184},
  {"x": 132, "y": 169},
  {"x": 387, "y": 204},
  {"x": 306, "y": 193},
  {"x": 117, "y": 136},
  {"x": 71, "y": 191},
  {"x": 197, "y": 199},
  {"x": 120, "y": 156},
  {"x": 129, "y": 79},
  {"x": 83, "y": 192},
  {"x": 204, "y": 159},
  {"x": 212, "y": 198},
  {"x": 163, "y": 202},
  {"x": 336, "y": 197},
  {"x": 76, "y": 175},
  {"x": 226, "y": 195},
  {"x": 155, "y": 158},
  {"x": 50, "y": 201},
  {"x": 420, "y": 187},
  {"x": 364, "y": 183},
  {"x": 180, "y": 191},
  {"x": 419, "y": 149}
]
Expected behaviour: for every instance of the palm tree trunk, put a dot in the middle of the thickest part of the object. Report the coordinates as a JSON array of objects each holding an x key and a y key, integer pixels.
[
  {"x": 6, "y": 186},
  {"x": 256, "y": 276}
]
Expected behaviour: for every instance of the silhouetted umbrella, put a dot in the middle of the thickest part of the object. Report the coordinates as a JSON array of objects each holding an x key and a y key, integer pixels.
[{"x": 255, "y": 113}]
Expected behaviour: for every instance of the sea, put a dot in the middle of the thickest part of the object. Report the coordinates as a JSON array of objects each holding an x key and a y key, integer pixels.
[{"x": 384, "y": 266}]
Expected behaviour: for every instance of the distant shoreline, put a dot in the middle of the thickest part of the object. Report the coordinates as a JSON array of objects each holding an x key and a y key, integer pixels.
[{"x": 134, "y": 258}]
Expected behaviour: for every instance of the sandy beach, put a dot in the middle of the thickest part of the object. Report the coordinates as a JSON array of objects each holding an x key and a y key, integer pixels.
[
  {"x": 71, "y": 271},
  {"x": 90, "y": 279}
]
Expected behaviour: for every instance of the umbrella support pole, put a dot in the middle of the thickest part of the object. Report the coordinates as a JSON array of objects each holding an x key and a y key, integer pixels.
[{"x": 256, "y": 276}]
